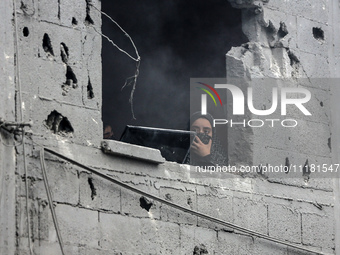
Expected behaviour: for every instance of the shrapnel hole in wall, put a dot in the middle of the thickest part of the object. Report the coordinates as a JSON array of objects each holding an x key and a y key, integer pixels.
[
  {"x": 293, "y": 59},
  {"x": 88, "y": 19},
  {"x": 287, "y": 165},
  {"x": 71, "y": 81},
  {"x": 90, "y": 93},
  {"x": 74, "y": 21},
  {"x": 92, "y": 187},
  {"x": 145, "y": 203},
  {"x": 282, "y": 30},
  {"x": 58, "y": 123},
  {"x": 200, "y": 249},
  {"x": 25, "y": 31},
  {"x": 47, "y": 45},
  {"x": 318, "y": 34},
  {"x": 64, "y": 52},
  {"x": 306, "y": 171}
]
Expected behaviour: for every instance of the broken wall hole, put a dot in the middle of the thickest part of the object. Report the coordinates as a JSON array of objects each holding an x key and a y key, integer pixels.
[
  {"x": 93, "y": 189},
  {"x": 282, "y": 30},
  {"x": 293, "y": 59},
  {"x": 200, "y": 249},
  {"x": 25, "y": 31},
  {"x": 71, "y": 81},
  {"x": 64, "y": 52},
  {"x": 287, "y": 165},
  {"x": 306, "y": 171},
  {"x": 318, "y": 34},
  {"x": 145, "y": 203},
  {"x": 88, "y": 19},
  {"x": 47, "y": 45},
  {"x": 74, "y": 21},
  {"x": 27, "y": 7},
  {"x": 90, "y": 93},
  {"x": 168, "y": 197},
  {"x": 189, "y": 201},
  {"x": 321, "y": 104},
  {"x": 58, "y": 123}
]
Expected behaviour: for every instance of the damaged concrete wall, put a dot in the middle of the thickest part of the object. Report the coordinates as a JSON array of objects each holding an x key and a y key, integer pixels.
[
  {"x": 291, "y": 44},
  {"x": 7, "y": 154},
  {"x": 59, "y": 59}
]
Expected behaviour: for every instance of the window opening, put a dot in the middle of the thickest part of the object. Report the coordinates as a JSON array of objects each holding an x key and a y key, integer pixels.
[{"x": 176, "y": 40}]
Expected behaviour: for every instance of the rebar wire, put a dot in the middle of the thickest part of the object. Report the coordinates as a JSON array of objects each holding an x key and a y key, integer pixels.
[
  {"x": 133, "y": 79},
  {"x": 18, "y": 81},
  {"x": 182, "y": 208},
  {"x": 125, "y": 33},
  {"x": 50, "y": 201}
]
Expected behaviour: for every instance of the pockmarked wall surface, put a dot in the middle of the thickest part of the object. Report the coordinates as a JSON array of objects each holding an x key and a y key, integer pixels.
[{"x": 51, "y": 84}]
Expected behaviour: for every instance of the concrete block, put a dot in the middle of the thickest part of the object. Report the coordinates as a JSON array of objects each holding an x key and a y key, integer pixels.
[
  {"x": 72, "y": 40},
  {"x": 49, "y": 11},
  {"x": 312, "y": 142},
  {"x": 22, "y": 227},
  {"x": 181, "y": 197},
  {"x": 92, "y": 61},
  {"x": 77, "y": 226},
  {"x": 318, "y": 106},
  {"x": 131, "y": 203},
  {"x": 228, "y": 242},
  {"x": 160, "y": 237},
  {"x": 310, "y": 9},
  {"x": 289, "y": 191},
  {"x": 284, "y": 223},
  {"x": 97, "y": 193},
  {"x": 63, "y": 181},
  {"x": 318, "y": 230},
  {"x": 264, "y": 247},
  {"x": 121, "y": 233},
  {"x": 314, "y": 65},
  {"x": 307, "y": 42},
  {"x": 73, "y": 13},
  {"x": 250, "y": 214},
  {"x": 214, "y": 206},
  {"x": 39, "y": 77},
  {"x": 192, "y": 236},
  {"x": 278, "y": 158},
  {"x": 138, "y": 236}
]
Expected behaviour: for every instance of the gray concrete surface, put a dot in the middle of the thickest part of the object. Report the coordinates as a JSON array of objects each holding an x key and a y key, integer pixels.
[{"x": 98, "y": 217}]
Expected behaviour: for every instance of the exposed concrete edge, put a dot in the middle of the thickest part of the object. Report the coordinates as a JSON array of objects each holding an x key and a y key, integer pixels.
[{"x": 132, "y": 151}]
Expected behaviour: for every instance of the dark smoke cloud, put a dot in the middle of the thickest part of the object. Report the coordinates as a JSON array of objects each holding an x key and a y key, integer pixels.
[{"x": 177, "y": 40}]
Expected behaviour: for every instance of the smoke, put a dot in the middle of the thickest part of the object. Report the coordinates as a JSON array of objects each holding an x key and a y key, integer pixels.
[{"x": 177, "y": 40}]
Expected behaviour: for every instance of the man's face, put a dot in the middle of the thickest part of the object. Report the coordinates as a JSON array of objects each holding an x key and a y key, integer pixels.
[
  {"x": 202, "y": 125},
  {"x": 108, "y": 132}
]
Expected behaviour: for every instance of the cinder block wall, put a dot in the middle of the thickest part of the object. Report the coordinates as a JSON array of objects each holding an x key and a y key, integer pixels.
[{"x": 60, "y": 71}]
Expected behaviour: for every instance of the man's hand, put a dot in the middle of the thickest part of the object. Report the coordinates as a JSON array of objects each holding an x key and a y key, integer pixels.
[{"x": 199, "y": 148}]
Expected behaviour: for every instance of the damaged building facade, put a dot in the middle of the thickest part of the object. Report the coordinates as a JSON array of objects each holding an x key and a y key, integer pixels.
[{"x": 50, "y": 109}]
